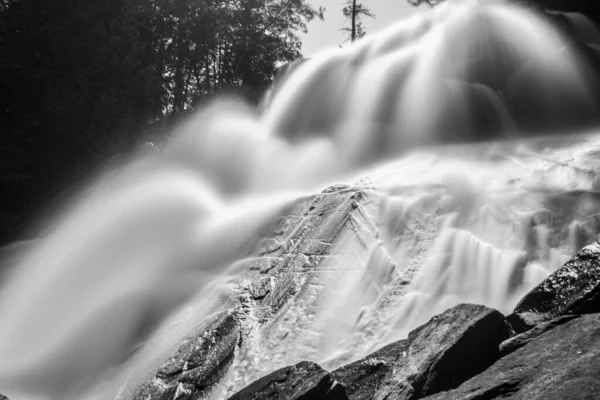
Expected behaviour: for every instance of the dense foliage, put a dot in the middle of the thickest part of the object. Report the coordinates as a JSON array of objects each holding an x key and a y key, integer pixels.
[{"x": 82, "y": 79}]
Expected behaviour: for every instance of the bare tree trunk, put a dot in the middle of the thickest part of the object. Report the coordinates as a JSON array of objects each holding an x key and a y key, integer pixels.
[{"x": 353, "y": 35}]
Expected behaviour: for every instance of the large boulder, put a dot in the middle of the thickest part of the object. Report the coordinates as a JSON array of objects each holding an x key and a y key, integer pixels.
[
  {"x": 561, "y": 364},
  {"x": 443, "y": 353},
  {"x": 303, "y": 381},
  {"x": 572, "y": 289}
]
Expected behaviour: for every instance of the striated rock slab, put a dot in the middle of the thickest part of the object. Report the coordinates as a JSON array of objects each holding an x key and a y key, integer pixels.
[
  {"x": 443, "y": 353},
  {"x": 303, "y": 381},
  {"x": 572, "y": 289},
  {"x": 302, "y": 241},
  {"x": 299, "y": 280},
  {"x": 560, "y": 364}
]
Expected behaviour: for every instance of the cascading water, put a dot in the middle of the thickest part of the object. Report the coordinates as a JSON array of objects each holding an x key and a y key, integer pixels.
[{"x": 151, "y": 250}]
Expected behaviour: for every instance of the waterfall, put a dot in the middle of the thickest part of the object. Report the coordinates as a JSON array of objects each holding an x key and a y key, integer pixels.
[{"x": 452, "y": 125}]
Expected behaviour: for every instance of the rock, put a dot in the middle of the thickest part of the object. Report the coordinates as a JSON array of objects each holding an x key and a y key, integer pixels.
[
  {"x": 572, "y": 289},
  {"x": 560, "y": 364},
  {"x": 199, "y": 362},
  {"x": 260, "y": 289},
  {"x": 443, "y": 353},
  {"x": 303, "y": 239},
  {"x": 521, "y": 340},
  {"x": 303, "y": 381},
  {"x": 589, "y": 303}
]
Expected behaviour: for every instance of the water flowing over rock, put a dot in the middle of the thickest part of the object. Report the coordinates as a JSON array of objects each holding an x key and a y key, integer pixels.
[
  {"x": 355, "y": 267},
  {"x": 287, "y": 273}
]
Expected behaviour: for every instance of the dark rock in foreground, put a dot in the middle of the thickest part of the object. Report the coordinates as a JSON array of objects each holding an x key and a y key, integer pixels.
[
  {"x": 573, "y": 289},
  {"x": 560, "y": 364},
  {"x": 443, "y": 353},
  {"x": 303, "y": 381},
  {"x": 522, "y": 339}
]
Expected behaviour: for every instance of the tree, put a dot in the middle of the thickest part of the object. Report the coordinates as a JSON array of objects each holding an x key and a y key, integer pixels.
[
  {"x": 209, "y": 45},
  {"x": 76, "y": 83},
  {"x": 353, "y": 11},
  {"x": 81, "y": 80}
]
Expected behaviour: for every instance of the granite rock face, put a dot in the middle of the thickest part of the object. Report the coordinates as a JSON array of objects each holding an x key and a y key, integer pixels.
[
  {"x": 560, "y": 364},
  {"x": 303, "y": 381},
  {"x": 439, "y": 355},
  {"x": 573, "y": 289}
]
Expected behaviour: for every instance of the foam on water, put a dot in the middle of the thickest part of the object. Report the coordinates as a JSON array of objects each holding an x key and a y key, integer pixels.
[{"x": 154, "y": 248}]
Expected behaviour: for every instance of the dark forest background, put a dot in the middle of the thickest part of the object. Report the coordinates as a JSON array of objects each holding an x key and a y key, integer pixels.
[
  {"x": 84, "y": 79},
  {"x": 81, "y": 80}
]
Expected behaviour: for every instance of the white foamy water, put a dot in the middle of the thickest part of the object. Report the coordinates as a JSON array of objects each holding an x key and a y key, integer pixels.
[{"x": 152, "y": 249}]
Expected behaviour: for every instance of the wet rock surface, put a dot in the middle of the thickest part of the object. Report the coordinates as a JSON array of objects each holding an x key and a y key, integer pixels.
[
  {"x": 302, "y": 241},
  {"x": 199, "y": 362},
  {"x": 572, "y": 289},
  {"x": 560, "y": 364},
  {"x": 439, "y": 355},
  {"x": 303, "y": 381}
]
